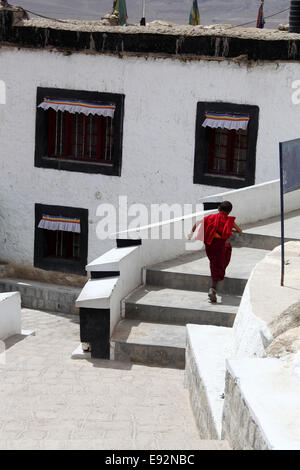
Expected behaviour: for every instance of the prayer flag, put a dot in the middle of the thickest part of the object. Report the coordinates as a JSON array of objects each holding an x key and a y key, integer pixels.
[
  {"x": 194, "y": 14},
  {"x": 260, "y": 18},
  {"x": 120, "y": 10}
]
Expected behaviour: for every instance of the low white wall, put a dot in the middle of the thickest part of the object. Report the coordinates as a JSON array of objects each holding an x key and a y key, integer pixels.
[
  {"x": 258, "y": 202},
  {"x": 261, "y": 409},
  {"x": 264, "y": 300},
  {"x": 10, "y": 314}
]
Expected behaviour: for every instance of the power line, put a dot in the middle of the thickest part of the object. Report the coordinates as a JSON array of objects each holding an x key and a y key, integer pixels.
[
  {"x": 266, "y": 17},
  {"x": 43, "y": 16}
]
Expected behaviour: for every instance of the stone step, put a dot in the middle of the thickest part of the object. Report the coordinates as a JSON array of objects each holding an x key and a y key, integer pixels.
[
  {"x": 174, "y": 306},
  {"x": 191, "y": 271},
  {"x": 43, "y": 296},
  {"x": 259, "y": 241},
  {"x": 152, "y": 344}
]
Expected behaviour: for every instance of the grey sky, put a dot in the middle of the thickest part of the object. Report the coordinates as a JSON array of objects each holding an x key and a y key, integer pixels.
[{"x": 177, "y": 11}]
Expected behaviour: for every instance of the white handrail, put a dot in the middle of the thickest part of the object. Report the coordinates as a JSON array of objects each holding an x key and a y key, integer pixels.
[
  {"x": 166, "y": 222},
  {"x": 218, "y": 197}
]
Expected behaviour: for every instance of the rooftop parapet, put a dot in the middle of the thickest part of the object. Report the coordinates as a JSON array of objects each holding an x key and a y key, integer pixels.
[{"x": 156, "y": 39}]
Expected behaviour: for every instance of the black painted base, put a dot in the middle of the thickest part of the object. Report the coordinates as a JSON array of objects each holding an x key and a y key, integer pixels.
[{"x": 95, "y": 329}]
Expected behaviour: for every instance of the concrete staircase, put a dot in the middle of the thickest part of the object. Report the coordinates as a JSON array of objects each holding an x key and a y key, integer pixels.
[{"x": 153, "y": 331}]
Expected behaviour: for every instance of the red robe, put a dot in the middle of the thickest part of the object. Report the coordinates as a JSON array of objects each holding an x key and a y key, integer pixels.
[{"x": 217, "y": 249}]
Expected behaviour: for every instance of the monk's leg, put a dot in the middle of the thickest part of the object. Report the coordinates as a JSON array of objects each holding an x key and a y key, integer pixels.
[
  {"x": 216, "y": 255},
  {"x": 228, "y": 251}
]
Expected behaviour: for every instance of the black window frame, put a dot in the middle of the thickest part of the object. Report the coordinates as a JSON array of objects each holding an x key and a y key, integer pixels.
[
  {"x": 201, "y": 159},
  {"x": 42, "y": 160},
  {"x": 59, "y": 264}
]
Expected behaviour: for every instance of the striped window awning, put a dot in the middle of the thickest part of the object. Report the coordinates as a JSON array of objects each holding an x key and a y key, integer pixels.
[
  {"x": 50, "y": 222},
  {"x": 76, "y": 106},
  {"x": 226, "y": 121}
]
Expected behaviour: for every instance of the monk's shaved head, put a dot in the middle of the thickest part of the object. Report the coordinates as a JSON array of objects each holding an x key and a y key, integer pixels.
[{"x": 225, "y": 206}]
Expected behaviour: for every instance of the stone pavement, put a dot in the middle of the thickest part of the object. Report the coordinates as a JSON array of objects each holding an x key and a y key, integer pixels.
[{"x": 49, "y": 401}]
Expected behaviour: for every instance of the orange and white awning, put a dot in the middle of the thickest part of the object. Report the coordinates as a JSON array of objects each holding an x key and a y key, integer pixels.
[
  {"x": 76, "y": 106},
  {"x": 226, "y": 121},
  {"x": 50, "y": 222}
]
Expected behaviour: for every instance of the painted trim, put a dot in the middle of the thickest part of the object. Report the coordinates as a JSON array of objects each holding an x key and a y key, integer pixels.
[
  {"x": 54, "y": 264},
  {"x": 41, "y": 134},
  {"x": 201, "y": 158},
  {"x": 122, "y": 242},
  {"x": 103, "y": 274}
]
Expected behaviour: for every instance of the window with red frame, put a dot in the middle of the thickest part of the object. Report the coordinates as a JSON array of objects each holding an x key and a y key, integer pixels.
[
  {"x": 80, "y": 137},
  {"x": 228, "y": 152},
  {"x": 59, "y": 244}
]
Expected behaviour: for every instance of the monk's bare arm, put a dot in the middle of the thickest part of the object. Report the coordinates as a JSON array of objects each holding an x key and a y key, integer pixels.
[
  {"x": 193, "y": 229},
  {"x": 237, "y": 228}
]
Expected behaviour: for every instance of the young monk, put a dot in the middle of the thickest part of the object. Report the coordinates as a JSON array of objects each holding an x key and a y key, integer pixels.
[{"x": 215, "y": 231}]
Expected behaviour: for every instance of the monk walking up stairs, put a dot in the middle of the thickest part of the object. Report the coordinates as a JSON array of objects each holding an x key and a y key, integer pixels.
[{"x": 215, "y": 230}]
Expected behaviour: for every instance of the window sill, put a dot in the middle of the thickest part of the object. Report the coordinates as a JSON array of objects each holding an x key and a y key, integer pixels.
[
  {"x": 232, "y": 177},
  {"x": 78, "y": 166},
  {"x": 230, "y": 182},
  {"x": 82, "y": 162}
]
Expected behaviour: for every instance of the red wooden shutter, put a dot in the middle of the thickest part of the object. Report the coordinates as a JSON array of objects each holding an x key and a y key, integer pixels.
[
  {"x": 51, "y": 132},
  {"x": 68, "y": 134}
]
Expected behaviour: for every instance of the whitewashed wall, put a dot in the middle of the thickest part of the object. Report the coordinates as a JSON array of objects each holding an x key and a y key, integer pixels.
[{"x": 159, "y": 132}]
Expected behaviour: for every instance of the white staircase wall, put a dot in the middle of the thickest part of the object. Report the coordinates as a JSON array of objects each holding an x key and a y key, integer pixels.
[
  {"x": 130, "y": 278},
  {"x": 108, "y": 292},
  {"x": 258, "y": 202},
  {"x": 10, "y": 314}
]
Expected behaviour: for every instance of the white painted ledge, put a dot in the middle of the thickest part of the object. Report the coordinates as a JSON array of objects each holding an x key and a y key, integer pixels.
[
  {"x": 111, "y": 260},
  {"x": 97, "y": 293},
  {"x": 10, "y": 314}
]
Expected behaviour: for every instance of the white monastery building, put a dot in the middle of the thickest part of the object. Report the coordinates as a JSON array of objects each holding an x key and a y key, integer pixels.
[{"x": 158, "y": 114}]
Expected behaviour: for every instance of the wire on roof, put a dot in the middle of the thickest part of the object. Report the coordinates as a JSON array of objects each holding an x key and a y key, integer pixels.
[
  {"x": 266, "y": 17},
  {"x": 43, "y": 16}
]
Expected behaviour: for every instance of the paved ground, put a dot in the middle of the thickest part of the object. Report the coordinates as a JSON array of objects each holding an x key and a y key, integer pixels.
[{"x": 49, "y": 401}]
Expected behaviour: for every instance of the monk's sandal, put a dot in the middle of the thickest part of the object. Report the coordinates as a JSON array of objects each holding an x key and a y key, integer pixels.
[{"x": 212, "y": 295}]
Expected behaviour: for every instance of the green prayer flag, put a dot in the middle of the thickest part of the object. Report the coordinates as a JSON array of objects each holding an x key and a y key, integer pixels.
[
  {"x": 119, "y": 9},
  {"x": 194, "y": 14}
]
